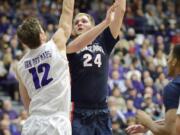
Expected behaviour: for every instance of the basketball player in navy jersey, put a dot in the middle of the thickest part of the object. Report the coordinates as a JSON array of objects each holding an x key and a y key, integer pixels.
[
  {"x": 89, "y": 75},
  {"x": 171, "y": 101}
]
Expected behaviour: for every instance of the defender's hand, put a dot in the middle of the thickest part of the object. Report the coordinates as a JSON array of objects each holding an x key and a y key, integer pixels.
[
  {"x": 143, "y": 118},
  {"x": 134, "y": 129}
]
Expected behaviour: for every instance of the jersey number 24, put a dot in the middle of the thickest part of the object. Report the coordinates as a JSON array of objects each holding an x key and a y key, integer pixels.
[{"x": 88, "y": 58}]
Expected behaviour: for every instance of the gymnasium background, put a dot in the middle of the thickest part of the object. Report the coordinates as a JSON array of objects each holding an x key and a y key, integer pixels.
[{"x": 138, "y": 64}]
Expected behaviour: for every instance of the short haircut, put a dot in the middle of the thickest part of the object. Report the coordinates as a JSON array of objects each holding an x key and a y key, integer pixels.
[
  {"x": 176, "y": 52},
  {"x": 88, "y": 16},
  {"x": 29, "y": 32}
]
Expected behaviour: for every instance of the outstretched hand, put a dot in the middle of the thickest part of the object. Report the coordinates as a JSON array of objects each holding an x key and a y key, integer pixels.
[
  {"x": 141, "y": 118},
  {"x": 134, "y": 129},
  {"x": 110, "y": 13}
]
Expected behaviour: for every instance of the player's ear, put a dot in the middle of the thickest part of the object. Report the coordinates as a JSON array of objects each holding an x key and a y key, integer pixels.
[{"x": 42, "y": 37}]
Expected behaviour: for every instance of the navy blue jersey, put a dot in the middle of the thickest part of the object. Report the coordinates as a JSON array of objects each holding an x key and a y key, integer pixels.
[
  {"x": 89, "y": 70},
  {"x": 172, "y": 94}
]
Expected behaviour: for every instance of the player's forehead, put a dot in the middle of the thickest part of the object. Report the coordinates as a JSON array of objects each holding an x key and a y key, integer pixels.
[{"x": 81, "y": 17}]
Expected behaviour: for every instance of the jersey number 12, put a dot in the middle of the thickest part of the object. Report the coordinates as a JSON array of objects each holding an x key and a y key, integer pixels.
[{"x": 42, "y": 68}]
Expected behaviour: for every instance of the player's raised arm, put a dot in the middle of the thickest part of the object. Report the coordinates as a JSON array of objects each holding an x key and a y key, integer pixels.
[
  {"x": 118, "y": 17},
  {"x": 65, "y": 25},
  {"x": 86, "y": 38}
]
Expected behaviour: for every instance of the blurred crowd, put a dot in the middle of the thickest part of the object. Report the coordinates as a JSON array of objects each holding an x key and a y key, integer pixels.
[{"x": 138, "y": 65}]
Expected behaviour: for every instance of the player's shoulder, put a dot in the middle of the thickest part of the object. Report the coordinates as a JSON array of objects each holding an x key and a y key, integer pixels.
[
  {"x": 176, "y": 80},
  {"x": 50, "y": 42},
  {"x": 71, "y": 40},
  {"x": 171, "y": 88}
]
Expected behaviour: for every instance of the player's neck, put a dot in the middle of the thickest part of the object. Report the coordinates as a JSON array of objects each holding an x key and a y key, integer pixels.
[{"x": 43, "y": 42}]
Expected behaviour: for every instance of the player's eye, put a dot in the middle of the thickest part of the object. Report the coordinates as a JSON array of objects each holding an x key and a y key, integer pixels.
[
  {"x": 84, "y": 21},
  {"x": 76, "y": 22}
]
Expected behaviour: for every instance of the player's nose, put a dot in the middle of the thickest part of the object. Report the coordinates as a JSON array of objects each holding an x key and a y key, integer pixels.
[{"x": 79, "y": 23}]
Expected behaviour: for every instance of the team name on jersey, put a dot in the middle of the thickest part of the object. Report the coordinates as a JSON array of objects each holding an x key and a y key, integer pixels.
[
  {"x": 37, "y": 60},
  {"x": 93, "y": 48}
]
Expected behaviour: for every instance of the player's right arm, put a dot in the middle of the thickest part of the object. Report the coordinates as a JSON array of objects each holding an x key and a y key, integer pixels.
[
  {"x": 65, "y": 25},
  {"x": 86, "y": 38},
  {"x": 22, "y": 90}
]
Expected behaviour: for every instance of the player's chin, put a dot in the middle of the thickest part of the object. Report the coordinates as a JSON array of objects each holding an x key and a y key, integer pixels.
[{"x": 81, "y": 31}]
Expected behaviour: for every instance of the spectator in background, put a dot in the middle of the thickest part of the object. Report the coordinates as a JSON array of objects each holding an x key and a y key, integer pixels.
[
  {"x": 8, "y": 126},
  {"x": 116, "y": 128},
  {"x": 116, "y": 81},
  {"x": 121, "y": 104},
  {"x": 7, "y": 109},
  {"x": 160, "y": 59},
  {"x": 131, "y": 110},
  {"x": 132, "y": 94},
  {"x": 161, "y": 82}
]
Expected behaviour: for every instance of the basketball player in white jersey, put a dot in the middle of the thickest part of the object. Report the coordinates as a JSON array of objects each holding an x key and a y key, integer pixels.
[{"x": 43, "y": 75}]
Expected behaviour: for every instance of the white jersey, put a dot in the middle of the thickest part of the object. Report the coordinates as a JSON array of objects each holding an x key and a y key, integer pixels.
[{"x": 45, "y": 74}]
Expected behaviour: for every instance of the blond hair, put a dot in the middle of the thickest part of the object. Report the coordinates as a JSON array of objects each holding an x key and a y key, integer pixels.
[{"x": 88, "y": 16}]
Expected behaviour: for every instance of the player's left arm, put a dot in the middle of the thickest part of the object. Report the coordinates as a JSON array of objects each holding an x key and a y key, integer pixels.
[
  {"x": 118, "y": 18},
  {"x": 24, "y": 96},
  {"x": 22, "y": 90}
]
